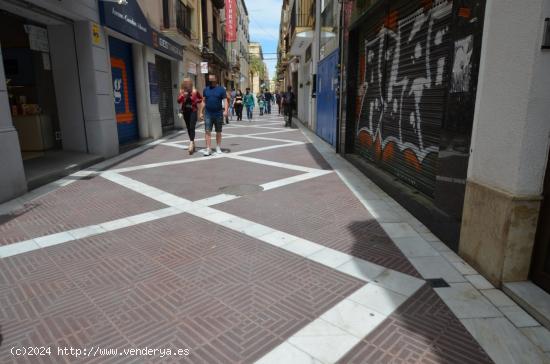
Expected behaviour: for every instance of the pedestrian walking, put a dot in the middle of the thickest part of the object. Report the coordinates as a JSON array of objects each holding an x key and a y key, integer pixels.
[
  {"x": 231, "y": 107},
  {"x": 261, "y": 104},
  {"x": 289, "y": 101},
  {"x": 278, "y": 100},
  {"x": 213, "y": 113},
  {"x": 238, "y": 105},
  {"x": 190, "y": 100},
  {"x": 268, "y": 100},
  {"x": 249, "y": 104},
  {"x": 224, "y": 101}
]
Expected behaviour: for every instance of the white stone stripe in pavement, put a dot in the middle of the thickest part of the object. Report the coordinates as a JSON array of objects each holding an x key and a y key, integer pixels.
[
  {"x": 331, "y": 336},
  {"x": 498, "y": 336}
]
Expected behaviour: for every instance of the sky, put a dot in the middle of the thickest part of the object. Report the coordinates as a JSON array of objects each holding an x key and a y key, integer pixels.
[{"x": 264, "y": 17}]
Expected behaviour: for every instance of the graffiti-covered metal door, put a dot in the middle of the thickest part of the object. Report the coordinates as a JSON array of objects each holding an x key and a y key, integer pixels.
[
  {"x": 327, "y": 97},
  {"x": 166, "y": 107},
  {"x": 122, "y": 70},
  {"x": 402, "y": 76}
]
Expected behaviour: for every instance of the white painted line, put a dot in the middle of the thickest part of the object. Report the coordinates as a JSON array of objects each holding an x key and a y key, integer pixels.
[
  {"x": 18, "y": 248},
  {"x": 275, "y": 164}
]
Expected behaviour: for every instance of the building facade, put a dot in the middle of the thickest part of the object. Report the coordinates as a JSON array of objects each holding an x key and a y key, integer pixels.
[
  {"x": 444, "y": 105},
  {"x": 89, "y": 78},
  {"x": 259, "y": 78},
  {"x": 237, "y": 50}
]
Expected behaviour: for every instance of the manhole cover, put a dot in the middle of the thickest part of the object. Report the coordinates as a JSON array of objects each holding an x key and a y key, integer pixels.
[{"x": 241, "y": 190}]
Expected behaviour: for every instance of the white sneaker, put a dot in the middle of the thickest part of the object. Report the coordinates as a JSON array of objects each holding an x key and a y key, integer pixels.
[
  {"x": 218, "y": 150},
  {"x": 206, "y": 151}
]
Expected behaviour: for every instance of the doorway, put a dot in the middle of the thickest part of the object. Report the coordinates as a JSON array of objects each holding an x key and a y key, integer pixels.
[
  {"x": 166, "y": 104},
  {"x": 30, "y": 85},
  {"x": 540, "y": 267}
]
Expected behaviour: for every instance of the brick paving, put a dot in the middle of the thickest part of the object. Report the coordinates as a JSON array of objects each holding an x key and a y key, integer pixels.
[
  {"x": 79, "y": 204},
  {"x": 187, "y": 282}
]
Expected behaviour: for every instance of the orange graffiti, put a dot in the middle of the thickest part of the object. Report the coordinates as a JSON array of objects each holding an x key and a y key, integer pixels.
[
  {"x": 388, "y": 153},
  {"x": 378, "y": 148},
  {"x": 464, "y": 13},
  {"x": 411, "y": 158},
  {"x": 427, "y": 4},
  {"x": 391, "y": 20},
  {"x": 365, "y": 138}
]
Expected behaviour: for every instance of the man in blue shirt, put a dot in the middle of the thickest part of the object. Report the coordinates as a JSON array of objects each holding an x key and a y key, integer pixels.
[{"x": 215, "y": 112}]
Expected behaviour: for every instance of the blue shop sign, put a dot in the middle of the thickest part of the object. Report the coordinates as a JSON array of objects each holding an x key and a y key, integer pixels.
[{"x": 129, "y": 20}]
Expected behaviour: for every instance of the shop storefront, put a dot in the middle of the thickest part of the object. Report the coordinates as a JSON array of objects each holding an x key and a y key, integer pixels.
[
  {"x": 140, "y": 55},
  {"x": 29, "y": 81},
  {"x": 412, "y": 69}
]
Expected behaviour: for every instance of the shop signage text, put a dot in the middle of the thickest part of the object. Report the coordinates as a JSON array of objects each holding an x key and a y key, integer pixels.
[{"x": 129, "y": 20}]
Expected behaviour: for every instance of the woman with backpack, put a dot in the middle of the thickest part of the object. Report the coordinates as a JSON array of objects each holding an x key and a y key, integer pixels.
[{"x": 190, "y": 100}]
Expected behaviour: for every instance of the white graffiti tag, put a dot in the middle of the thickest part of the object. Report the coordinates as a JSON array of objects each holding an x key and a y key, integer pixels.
[{"x": 404, "y": 71}]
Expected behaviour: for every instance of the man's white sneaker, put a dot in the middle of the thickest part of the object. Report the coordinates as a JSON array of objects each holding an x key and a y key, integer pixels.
[
  {"x": 206, "y": 151},
  {"x": 219, "y": 150}
]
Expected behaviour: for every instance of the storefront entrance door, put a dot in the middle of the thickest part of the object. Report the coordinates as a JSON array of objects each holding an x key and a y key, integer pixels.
[
  {"x": 540, "y": 272},
  {"x": 166, "y": 107}
]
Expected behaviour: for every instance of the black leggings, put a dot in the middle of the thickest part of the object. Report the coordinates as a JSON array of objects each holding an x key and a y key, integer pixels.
[
  {"x": 190, "y": 118},
  {"x": 239, "y": 111}
]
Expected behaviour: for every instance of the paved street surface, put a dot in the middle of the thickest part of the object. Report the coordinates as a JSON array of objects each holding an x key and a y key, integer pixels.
[{"x": 261, "y": 254}]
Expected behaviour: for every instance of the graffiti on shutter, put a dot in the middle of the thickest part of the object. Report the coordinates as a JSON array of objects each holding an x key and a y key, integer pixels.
[{"x": 401, "y": 91}]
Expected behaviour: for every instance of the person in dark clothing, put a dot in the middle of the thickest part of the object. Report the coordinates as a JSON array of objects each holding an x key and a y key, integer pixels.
[
  {"x": 238, "y": 105},
  {"x": 278, "y": 99},
  {"x": 268, "y": 100},
  {"x": 289, "y": 102},
  {"x": 190, "y": 100}
]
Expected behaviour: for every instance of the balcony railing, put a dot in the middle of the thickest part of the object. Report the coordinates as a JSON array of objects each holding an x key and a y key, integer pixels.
[
  {"x": 215, "y": 47},
  {"x": 183, "y": 18},
  {"x": 302, "y": 16}
]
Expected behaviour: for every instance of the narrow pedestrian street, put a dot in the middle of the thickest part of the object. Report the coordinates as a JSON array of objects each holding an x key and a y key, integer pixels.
[{"x": 268, "y": 253}]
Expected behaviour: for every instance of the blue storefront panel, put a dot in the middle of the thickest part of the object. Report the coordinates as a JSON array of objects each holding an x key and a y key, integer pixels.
[
  {"x": 123, "y": 90},
  {"x": 327, "y": 93}
]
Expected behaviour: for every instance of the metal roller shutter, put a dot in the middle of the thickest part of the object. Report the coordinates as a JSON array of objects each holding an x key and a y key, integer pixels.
[
  {"x": 403, "y": 74},
  {"x": 122, "y": 71},
  {"x": 166, "y": 107}
]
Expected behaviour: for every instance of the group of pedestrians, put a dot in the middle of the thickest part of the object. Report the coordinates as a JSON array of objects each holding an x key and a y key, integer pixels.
[{"x": 216, "y": 104}]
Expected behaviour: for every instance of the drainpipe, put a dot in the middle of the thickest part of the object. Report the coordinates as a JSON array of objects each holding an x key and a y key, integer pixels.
[{"x": 315, "y": 61}]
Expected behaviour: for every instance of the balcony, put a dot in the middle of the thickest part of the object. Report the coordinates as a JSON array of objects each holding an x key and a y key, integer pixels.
[
  {"x": 302, "y": 24},
  {"x": 183, "y": 18},
  {"x": 214, "y": 48}
]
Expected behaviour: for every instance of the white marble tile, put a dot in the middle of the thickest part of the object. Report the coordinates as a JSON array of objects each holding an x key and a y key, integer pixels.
[
  {"x": 467, "y": 302},
  {"x": 302, "y": 247},
  {"x": 429, "y": 237},
  {"x": 354, "y": 318},
  {"x": 277, "y": 238},
  {"x": 440, "y": 246},
  {"x": 518, "y": 316},
  {"x": 169, "y": 211},
  {"x": 323, "y": 341},
  {"x": 141, "y": 218},
  {"x": 18, "y": 248},
  {"x": 361, "y": 269},
  {"x": 415, "y": 247},
  {"x": 498, "y": 298},
  {"x": 398, "y": 282},
  {"x": 503, "y": 342},
  {"x": 53, "y": 239},
  {"x": 87, "y": 231},
  {"x": 399, "y": 230},
  {"x": 116, "y": 224},
  {"x": 378, "y": 298},
  {"x": 479, "y": 282},
  {"x": 287, "y": 353},
  {"x": 257, "y": 230},
  {"x": 237, "y": 224},
  {"x": 436, "y": 267},
  {"x": 463, "y": 268},
  {"x": 539, "y": 335},
  {"x": 330, "y": 257}
]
